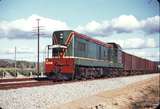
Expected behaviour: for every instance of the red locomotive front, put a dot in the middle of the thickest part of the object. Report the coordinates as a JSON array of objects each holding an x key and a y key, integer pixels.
[{"x": 59, "y": 65}]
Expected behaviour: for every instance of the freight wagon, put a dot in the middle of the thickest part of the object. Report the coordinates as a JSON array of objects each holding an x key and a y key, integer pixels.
[
  {"x": 133, "y": 65},
  {"x": 77, "y": 56}
]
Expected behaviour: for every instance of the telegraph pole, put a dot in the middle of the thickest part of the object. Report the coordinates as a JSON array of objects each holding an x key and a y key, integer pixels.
[
  {"x": 15, "y": 66},
  {"x": 38, "y": 47},
  {"x": 36, "y": 31}
]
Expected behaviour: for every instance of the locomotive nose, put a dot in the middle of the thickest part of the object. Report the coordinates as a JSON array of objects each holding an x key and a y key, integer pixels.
[{"x": 48, "y": 66}]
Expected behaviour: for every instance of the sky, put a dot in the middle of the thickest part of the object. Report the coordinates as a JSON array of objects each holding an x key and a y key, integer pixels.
[{"x": 133, "y": 24}]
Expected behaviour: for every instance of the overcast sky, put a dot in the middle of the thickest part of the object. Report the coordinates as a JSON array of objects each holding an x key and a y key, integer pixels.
[{"x": 134, "y": 24}]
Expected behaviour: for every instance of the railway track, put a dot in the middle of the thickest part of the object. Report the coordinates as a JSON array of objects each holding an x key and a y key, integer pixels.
[
  {"x": 15, "y": 79},
  {"x": 22, "y": 79},
  {"x": 24, "y": 84},
  {"x": 6, "y": 84}
]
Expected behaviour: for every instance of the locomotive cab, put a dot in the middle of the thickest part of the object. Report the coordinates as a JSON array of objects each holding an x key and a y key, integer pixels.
[{"x": 56, "y": 49}]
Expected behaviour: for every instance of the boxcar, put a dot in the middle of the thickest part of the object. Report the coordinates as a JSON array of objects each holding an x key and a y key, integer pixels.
[{"x": 134, "y": 65}]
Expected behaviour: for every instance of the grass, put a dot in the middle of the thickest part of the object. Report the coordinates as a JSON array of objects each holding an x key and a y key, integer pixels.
[{"x": 11, "y": 71}]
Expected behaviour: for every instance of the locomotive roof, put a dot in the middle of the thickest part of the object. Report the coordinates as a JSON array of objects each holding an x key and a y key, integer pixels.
[
  {"x": 88, "y": 38},
  {"x": 114, "y": 44},
  {"x": 93, "y": 40}
]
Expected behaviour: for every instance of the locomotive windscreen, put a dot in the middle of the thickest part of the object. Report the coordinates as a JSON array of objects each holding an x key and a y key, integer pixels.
[{"x": 58, "y": 37}]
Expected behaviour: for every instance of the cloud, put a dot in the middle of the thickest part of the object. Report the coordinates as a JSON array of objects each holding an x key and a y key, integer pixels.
[
  {"x": 145, "y": 48},
  {"x": 122, "y": 24},
  {"x": 19, "y": 50},
  {"x": 96, "y": 28},
  {"x": 132, "y": 43},
  {"x": 139, "y": 43},
  {"x": 23, "y": 50},
  {"x": 150, "y": 54},
  {"x": 24, "y": 28},
  {"x": 151, "y": 25}
]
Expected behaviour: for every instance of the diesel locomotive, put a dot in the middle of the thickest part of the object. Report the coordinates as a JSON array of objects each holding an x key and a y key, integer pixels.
[{"x": 76, "y": 56}]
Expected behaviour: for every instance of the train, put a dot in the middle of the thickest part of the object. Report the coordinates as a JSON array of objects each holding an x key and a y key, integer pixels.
[{"x": 73, "y": 55}]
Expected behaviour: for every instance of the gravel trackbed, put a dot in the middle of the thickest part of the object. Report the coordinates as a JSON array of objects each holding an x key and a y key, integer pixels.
[{"x": 44, "y": 96}]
